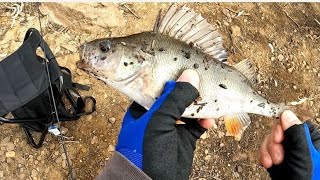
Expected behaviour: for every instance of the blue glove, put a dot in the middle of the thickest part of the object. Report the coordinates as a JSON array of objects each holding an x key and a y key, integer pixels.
[
  {"x": 154, "y": 142},
  {"x": 302, "y": 156}
]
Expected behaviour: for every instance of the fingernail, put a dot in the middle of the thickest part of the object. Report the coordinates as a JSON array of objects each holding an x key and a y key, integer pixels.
[{"x": 190, "y": 76}]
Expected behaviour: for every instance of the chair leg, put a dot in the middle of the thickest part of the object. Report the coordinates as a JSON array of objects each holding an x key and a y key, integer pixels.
[{"x": 31, "y": 139}]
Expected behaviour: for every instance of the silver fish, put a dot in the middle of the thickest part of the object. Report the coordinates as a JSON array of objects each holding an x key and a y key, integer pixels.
[{"x": 139, "y": 65}]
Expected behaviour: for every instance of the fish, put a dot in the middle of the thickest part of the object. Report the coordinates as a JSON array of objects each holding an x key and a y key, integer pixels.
[{"x": 140, "y": 64}]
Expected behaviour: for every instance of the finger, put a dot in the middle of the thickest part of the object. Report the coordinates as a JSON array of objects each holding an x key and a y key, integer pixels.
[
  {"x": 264, "y": 156},
  {"x": 276, "y": 153},
  {"x": 288, "y": 119},
  {"x": 190, "y": 76},
  {"x": 277, "y": 134},
  {"x": 206, "y": 123}
]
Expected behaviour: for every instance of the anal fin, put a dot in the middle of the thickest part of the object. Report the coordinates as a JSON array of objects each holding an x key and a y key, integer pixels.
[{"x": 236, "y": 125}]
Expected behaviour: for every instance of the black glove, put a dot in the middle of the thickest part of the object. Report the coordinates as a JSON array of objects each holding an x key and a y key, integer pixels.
[
  {"x": 302, "y": 157},
  {"x": 167, "y": 147}
]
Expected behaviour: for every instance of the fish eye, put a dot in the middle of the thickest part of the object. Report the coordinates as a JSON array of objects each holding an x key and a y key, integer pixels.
[{"x": 105, "y": 46}]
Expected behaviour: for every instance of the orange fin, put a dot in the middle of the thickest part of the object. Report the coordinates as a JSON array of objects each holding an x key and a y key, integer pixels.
[{"x": 236, "y": 124}]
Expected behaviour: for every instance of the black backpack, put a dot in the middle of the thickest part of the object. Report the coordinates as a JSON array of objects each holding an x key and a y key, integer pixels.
[{"x": 25, "y": 90}]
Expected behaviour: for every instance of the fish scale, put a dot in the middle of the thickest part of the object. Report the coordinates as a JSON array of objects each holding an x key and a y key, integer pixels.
[{"x": 139, "y": 65}]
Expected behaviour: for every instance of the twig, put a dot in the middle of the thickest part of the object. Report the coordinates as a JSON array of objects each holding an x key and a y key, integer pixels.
[
  {"x": 291, "y": 18},
  {"x": 16, "y": 10},
  {"x": 131, "y": 11},
  {"x": 317, "y": 21},
  {"x": 71, "y": 141}
]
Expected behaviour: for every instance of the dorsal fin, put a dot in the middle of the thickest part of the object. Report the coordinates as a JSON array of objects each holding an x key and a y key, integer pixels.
[
  {"x": 246, "y": 68},
  {"x": 188, "y": 26}
]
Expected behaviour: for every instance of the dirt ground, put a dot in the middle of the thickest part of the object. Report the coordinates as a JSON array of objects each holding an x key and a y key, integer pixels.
[{"x": 282, "y": 39}]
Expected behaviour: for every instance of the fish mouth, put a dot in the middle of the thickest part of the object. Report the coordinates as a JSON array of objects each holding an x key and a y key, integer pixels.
[{"x": 81, "y": 64}]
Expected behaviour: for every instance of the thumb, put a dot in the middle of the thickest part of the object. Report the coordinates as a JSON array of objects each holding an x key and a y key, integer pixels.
[
  {"x": 190, "y": 76},
  {"x": 288, "y": 119}
]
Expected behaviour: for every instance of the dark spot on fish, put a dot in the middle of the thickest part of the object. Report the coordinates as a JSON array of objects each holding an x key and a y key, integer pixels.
[
  {"x": 196, "y": 66},
  {"x": 262, "y": 105},
  {"x": 251, "y": 101},
  {"x": 156, "y": 98},
  {"x": 192, "y": 114},
  {"x": 229, "y": 70},
  {"x": 131, "y": 63},
  {"x": 175, "y": 59},
  {"x": 103, "y": 58},
  {"x": 205, "y": 68},
  {"x": 187, "y": 55},
  {"x": 217, "y": 109},
  {"x": 254, "y": 93},
  {"x": 223, "y": 86},
  {"x": 161, "y": 49},
  {"x": 191, "y": 44},
  {"x": 277, "y": 117},
  {"x": 113, "y": 50},
  {"x": 222, "y": 66},
  {"x": 268, "y": 102},
  {"x": 215, "y": 100},
  {"x": 125, "y": 64}
]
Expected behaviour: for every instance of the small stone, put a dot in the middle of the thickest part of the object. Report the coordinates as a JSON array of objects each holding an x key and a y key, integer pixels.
[
  {"x": 111, "y": 148},
  {"x": 220, "y": 134},
  {"x": 318, "y": 120},
  {"x": 58, "y": 160},
  {"x": 10, "y": 146},
  {"x": 239, "y": 169},
  {"x": 221, "y": 144},
  {"x": 206, "y": 151},
  {"x": 273, "y": 58},
  {"x": 112, "y": 120},
  {"x": 94, "y": 140},
  {"x": 64, "y": 130},
  {"x": 34, "y": 173},
  {"x": 10, "y": 154},
  {"x": 280, "y": 57},
  {"x": 295, "y": 87},
  {"x": 290, "y": 69},
  {"x": 56, "y": 153},
  {"x": 204, "y": 135},
  {"x": 236, "y": 31},
  {"x": 63, "y": 156},
  {"x": 1, "y": 174}
]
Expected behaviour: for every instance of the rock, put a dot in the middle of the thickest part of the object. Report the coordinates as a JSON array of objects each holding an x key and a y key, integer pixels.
[
  {"x": 56, "y": 153},
  {"x": 58, "y": 160},
  {"x": 10, "y": 146},
  {"x": 34, "y": 173},
  {"x": 112, "y": 120},
  {"x": 84, "y": 17},
  {"x": 236, "y": 31},
  {"x": 94, "y": 140},
  {"x": 204, "y": 135},
  {"x": 111, "y": 148},
  {"x": 290, "y": 69},
  {"x": 318, "y": 120},
  {"x": 280, "y": 57},
  {"x": 64, "y": 130},
  {"x": 206, "y": 151},
  {"x": 10, "y": 154},
  {"x": 295, "y": 87},
  {"x": 64, "y": 164},
  {"x": 239, "y": 169}
]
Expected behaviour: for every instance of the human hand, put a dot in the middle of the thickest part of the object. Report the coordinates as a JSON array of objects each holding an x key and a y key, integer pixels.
[
  {"x": 153, "y": 141},
  {"x": 291, "y": 151}
]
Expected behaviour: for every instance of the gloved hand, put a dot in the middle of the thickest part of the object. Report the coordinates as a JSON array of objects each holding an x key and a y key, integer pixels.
[
  {"x": 292, "y": 150},
  {"x": 153, "y": 141}
]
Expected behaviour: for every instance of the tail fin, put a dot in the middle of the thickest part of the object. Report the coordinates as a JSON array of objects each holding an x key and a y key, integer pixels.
[{"x": 300, "y": 109}]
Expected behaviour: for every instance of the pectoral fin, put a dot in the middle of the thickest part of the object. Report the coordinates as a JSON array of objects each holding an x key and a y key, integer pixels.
[{"x": 236, "y": 124}]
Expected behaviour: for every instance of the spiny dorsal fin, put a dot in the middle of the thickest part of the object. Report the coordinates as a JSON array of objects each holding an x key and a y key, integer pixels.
[
  {"x": 188, "y": 26},
  {"x": 246, "y": 68},
  {"x": 235, "y": 125}
]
